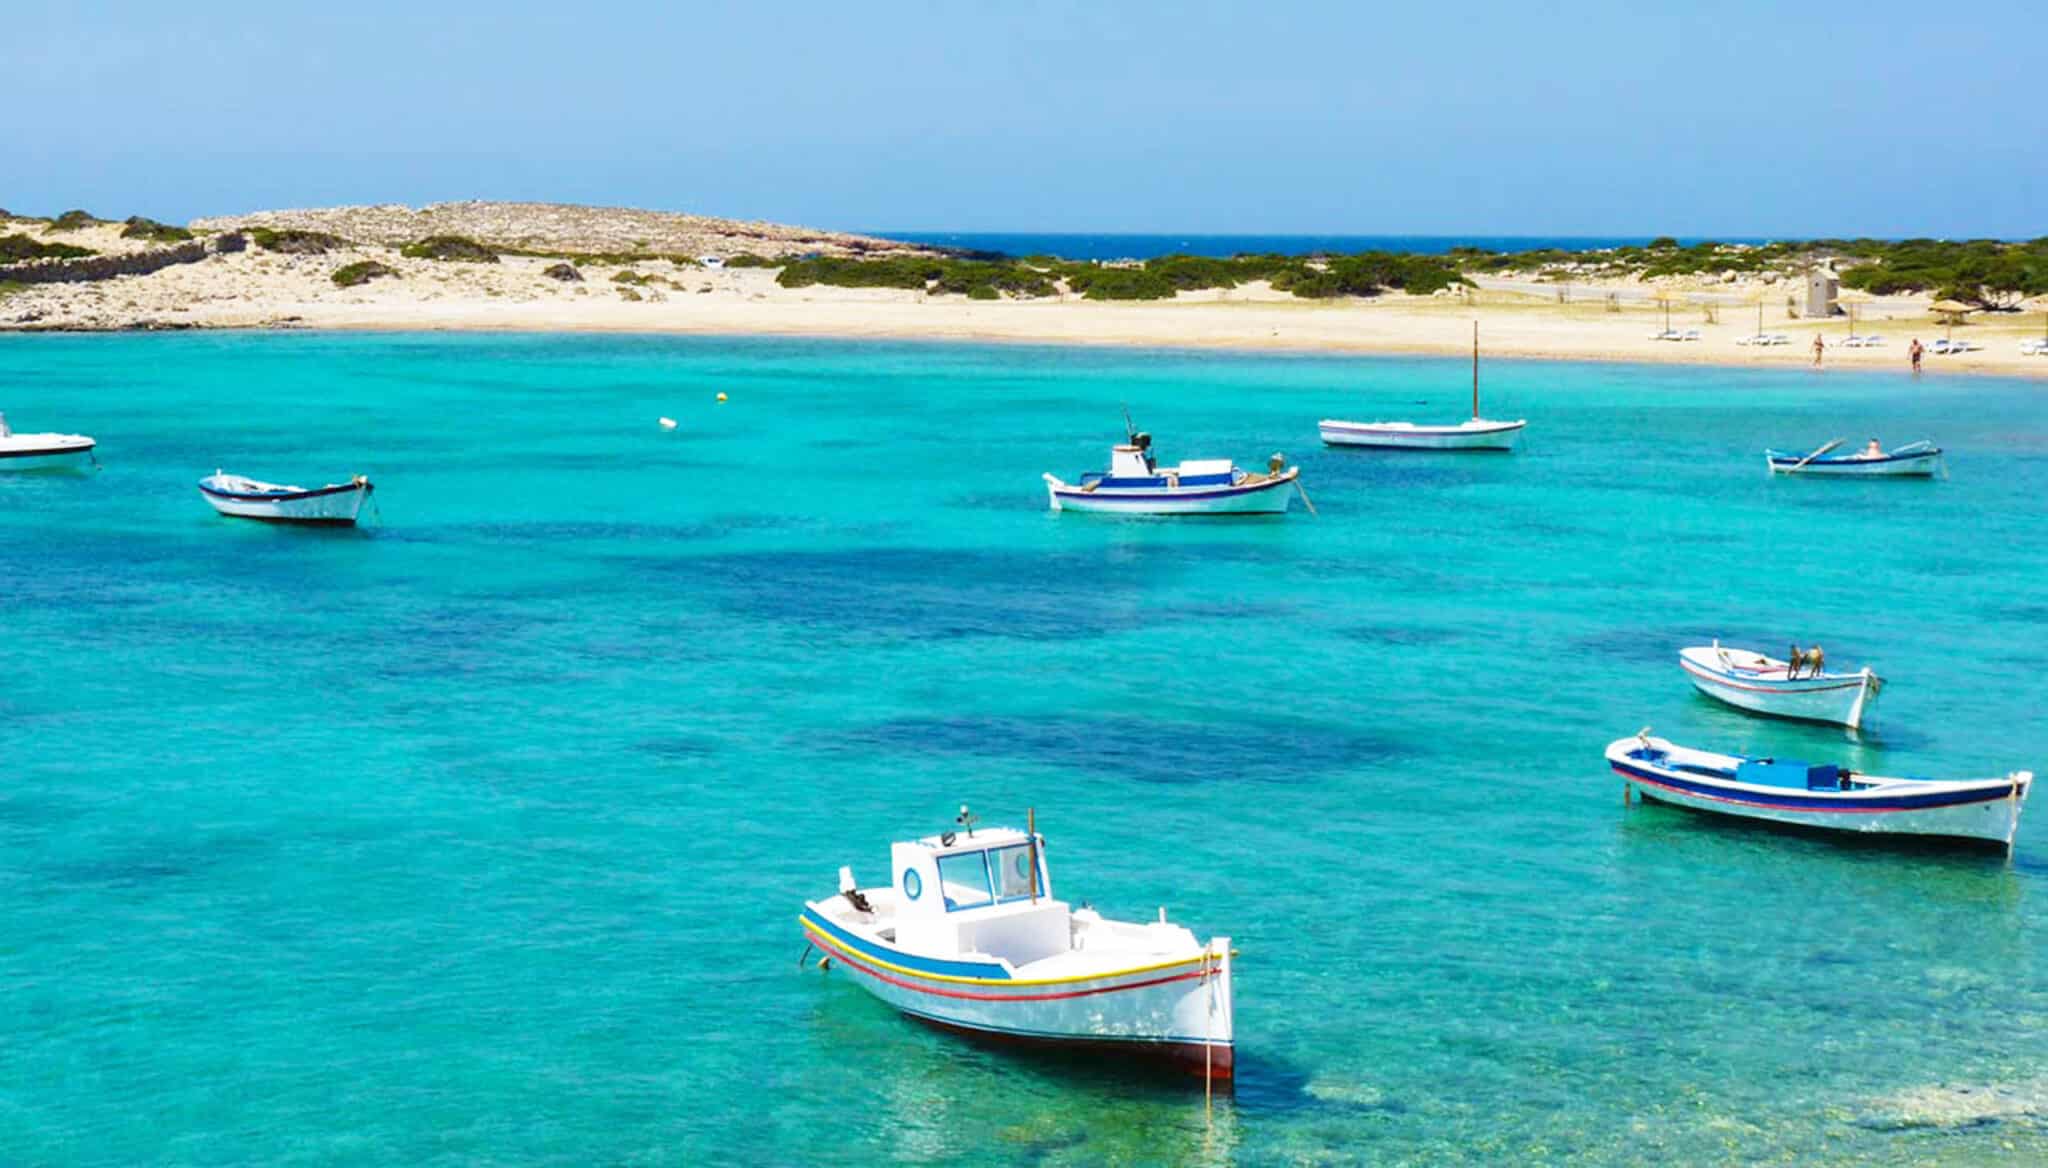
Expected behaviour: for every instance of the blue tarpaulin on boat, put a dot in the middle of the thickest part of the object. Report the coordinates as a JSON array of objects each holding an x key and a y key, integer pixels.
[{"x": 1789, "y": 773}]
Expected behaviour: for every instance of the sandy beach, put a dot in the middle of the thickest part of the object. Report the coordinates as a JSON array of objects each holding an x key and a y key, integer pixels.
[{"x": 1610, "y": 321}]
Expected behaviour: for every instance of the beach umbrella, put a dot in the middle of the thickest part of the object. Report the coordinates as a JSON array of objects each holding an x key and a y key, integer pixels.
[
  {"x": 1850, "y": 298},
  {"x": 1667, "y": 297},
  {"x": 1951, "y": 310},
  {"x": 1761, "y": 297}
]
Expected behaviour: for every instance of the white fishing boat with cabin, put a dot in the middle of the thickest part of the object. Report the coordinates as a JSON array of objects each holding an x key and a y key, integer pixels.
[
  {"x": 335, "y": 504},
  {"x": 968, "y": 936},
  {"x": 43, "y": 451},
  {"x": 1474, "y": 433},
  {"x": 1136, "y": 485},
  {"x": 1914, "y": 460},
  {"x": 1785, "y": 689},
  {"x": 1820, "y": 795}
]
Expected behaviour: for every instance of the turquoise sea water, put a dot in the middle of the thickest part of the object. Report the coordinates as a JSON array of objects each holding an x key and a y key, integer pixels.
[{"x": 478, "y": 836}]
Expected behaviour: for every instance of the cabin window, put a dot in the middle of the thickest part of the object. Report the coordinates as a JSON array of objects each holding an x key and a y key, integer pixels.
[
  {"x": 1013, "y": 871},
  {"x": 913, "y": 884},
  {"x": 963, "y": 878}
]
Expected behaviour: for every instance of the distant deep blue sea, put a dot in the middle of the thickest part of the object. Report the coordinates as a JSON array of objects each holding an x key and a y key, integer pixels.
[
  {"x": 478, "y": 836},
  {"x": 1142, "y": 247}
]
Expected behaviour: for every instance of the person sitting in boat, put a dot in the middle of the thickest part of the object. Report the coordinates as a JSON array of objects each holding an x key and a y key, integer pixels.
[
  {"x": 1143, "y": 442},
  {"x": 1873, "y": 450}
]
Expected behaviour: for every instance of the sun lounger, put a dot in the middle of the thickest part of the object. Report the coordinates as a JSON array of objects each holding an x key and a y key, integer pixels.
[
  {"x": 1666, "y": 335},
  {"x": 1690, "y": 335}
]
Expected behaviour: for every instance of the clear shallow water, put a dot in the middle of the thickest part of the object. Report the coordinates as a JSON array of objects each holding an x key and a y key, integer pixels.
[{"x": 478, "y": 836}]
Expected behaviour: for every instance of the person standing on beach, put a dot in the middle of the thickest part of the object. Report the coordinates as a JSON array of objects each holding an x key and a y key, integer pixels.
[
  {"x": 1818, "y": 346},
  {"x": 1915, "y": 353}
]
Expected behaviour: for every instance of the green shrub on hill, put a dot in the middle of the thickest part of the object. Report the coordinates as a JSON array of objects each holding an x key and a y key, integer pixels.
[
  {"x": 296, "y": 241},
  {"x": 138, "y": 227},
  {"x": 986, "y": 281},
  {"x": 454, "y": 248},
  {"x": 750, "y": 260},
  {"x": 73, "y": 220},
  {"x": 892, "y": 272},
  {"x": 14, "y": 248},
  {"x": 1983, "y": 272},
  {"x": 360, "y": 272}
]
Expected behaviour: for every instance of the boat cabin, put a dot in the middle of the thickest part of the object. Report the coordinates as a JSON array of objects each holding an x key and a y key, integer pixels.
[
  {"x": 1132, "y": 465},
  {"x": 973, "y": 893}
]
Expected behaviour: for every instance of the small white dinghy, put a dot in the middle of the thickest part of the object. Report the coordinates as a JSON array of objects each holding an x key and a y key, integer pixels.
[
  {"x": 335, "y": 504},
  {"x": 1915, "y": 460},
  {"x": 1766, "y": 685},
  {"x": 967, "y": 936},
  {"x": 1820, "y": 795},
  {"x": 44, "y": 451},
  {"x": 1475, "y": 433},
  {"x": 1135, "y": 485}
]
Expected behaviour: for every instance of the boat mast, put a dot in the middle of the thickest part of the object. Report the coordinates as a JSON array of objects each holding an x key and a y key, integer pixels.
[{"x": 1475, "y": 370}]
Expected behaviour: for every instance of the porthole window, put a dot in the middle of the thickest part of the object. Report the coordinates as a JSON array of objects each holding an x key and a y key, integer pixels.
[{"x": 913, "y": 884}]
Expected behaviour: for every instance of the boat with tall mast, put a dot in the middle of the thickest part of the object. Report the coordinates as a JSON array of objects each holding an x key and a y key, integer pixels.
[{"x": 1475, "y": 433}]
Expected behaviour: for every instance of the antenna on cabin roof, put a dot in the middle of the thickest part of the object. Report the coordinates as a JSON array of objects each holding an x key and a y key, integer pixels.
[{"x": 967, "y": 819}]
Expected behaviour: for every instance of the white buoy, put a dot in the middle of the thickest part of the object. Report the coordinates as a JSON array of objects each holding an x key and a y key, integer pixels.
[{"x": 668, "y": 423}]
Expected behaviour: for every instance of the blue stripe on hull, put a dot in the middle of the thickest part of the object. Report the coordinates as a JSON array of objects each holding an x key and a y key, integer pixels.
[
  {"x": 1120, "y": 496},
  {"x": 1796, "y": 801},
  {"x": 906, "y": 960}
]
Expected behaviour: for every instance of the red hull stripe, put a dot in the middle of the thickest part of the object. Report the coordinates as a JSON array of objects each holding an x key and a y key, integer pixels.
[{"x": 853, "y": 959}]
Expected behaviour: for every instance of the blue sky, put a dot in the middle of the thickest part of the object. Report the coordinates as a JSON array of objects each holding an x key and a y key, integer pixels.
[{"x": 1590, "y": 118}]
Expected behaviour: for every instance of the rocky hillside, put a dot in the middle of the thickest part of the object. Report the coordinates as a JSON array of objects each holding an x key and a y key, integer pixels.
[{"x": 560, "y": 228}]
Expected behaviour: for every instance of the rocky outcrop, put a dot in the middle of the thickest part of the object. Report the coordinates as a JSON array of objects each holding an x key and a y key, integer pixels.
[
  {"x": 566, "y": 273},
  {"x": 561, "y": 229}
]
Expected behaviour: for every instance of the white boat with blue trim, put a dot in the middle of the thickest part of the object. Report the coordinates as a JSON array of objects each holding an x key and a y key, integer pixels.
[
  {"x": 1137, "y": 485},
  {"x": 1820, "y": 795},
  {"x": 43, "y": 451},
  {"x": 1763, "y": 684},
  {"x": 1914, "y": 460},
  {"x": 968, "y": 936},
  {"x": 1474, "y": 433},
  {"x": 335, "y": 504}
]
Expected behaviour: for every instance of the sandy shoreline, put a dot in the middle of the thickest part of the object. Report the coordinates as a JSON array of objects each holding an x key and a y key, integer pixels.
[{"x": 259, "y": 289}]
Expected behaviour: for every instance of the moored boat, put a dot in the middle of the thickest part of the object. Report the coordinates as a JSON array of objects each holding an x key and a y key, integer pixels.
[
  {"x": 43, "y": 451},
  {"x": 1474, "y": 433},
  {"x": 1766, "y": 685},
  {"x": 335, "y": 504},
  {"x": 1916, "y": 460},
  {"x": 1820, "y": 795},
  {"x": 968, "y": 936},
  {"x": 1136, "y": 485}
]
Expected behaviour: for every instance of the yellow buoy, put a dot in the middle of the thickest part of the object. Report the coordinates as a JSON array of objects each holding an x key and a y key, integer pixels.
[{"x": 721, "y": 397}]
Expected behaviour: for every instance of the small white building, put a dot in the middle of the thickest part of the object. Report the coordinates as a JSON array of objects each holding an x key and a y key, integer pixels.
[{"x": 1822, "y": 287}]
